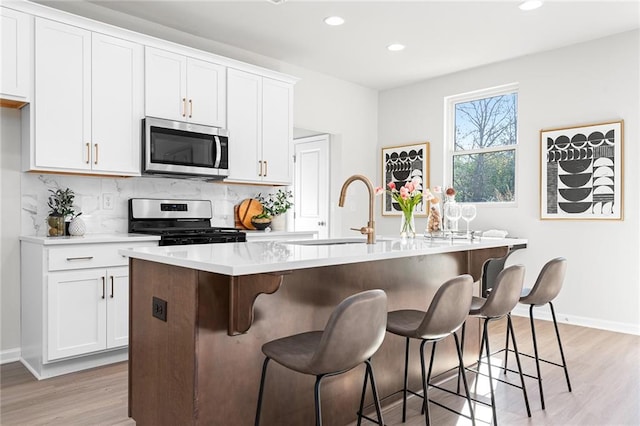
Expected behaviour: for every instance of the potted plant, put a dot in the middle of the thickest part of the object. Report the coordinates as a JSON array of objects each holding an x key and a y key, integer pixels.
[
  {"x": 261, "y": 221},
  {"x": 276, "y": 205},
  {"x": 61, "y": 204}
]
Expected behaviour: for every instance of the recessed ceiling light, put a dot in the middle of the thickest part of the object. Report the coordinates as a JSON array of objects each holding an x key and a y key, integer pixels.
[
  {"x": 334, "y": 21},
  {"x": 276, "y": 1},
  {"x": 530, "y": 4},
  {"x": 395, "y": 47}
]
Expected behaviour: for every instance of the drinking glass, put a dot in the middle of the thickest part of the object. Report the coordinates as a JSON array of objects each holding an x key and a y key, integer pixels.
[
  {"x": 468, "y": 214},
  {"x": 452, "y": 212}
]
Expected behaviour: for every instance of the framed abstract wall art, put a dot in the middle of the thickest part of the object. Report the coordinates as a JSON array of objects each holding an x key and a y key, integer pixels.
[
  {"x": 400, "y": 164},
  {"x": 581, "y": 172}
]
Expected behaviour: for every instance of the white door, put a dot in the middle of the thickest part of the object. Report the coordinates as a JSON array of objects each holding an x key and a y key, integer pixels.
[
  {"x": 117, "y": 307},
  {"x": 63, "y": 96},
  {"x": 76, "y": 303},
  {"x": 165, "y": 84},
  {"x": 311, "y": 185},
  {"x": 117, "y": 109},
  {"x": 206, "y": 88}
]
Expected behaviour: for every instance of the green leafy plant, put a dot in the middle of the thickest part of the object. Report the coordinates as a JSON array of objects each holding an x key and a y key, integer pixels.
[
  {"x": 275, "y": 204},
  {"x": 61, "y": 203}
]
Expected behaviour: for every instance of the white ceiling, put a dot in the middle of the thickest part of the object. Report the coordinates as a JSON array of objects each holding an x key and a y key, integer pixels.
[{"x": 441, "y": 36}]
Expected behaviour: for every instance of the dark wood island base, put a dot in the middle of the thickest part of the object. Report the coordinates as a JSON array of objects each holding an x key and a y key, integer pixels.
[{"x": 194, "y": 369}]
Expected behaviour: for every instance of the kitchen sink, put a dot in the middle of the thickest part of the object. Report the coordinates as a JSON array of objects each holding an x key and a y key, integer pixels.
[{"x": 330, "y": 242}]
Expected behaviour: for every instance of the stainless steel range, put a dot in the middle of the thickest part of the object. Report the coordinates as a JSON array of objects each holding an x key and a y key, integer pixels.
[{"x": 178, "y": 222}]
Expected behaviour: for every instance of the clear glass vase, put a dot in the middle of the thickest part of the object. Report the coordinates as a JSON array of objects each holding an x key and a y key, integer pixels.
[{"x": 407, "y": 225}]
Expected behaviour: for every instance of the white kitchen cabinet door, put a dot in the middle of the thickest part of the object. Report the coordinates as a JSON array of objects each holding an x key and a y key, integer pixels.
[
  {"x": 244, "y": 121},
  {"x": 277, "y": 131},
  {"x": 117, "y": 105},
  {"x": 63, "y": 96},
  {"x": 16, "y": 48},
  {"x": 76, "y": 311},
  {"x": 206, "y": 93},
  {"x": 165, "y": 85},
  {"x": 118, "y": 307}
]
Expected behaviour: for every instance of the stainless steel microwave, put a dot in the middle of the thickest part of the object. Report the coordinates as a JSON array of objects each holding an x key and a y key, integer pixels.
[{"x": 184, "y": 149}]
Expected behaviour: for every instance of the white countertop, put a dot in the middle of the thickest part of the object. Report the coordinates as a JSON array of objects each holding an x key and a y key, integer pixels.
[
  {"x": 270, "y": 256},
  {"x": 89, "y": 239}
]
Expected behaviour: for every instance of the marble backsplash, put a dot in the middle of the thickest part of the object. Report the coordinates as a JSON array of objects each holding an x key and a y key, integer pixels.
[{"x": 89, "y": 198}]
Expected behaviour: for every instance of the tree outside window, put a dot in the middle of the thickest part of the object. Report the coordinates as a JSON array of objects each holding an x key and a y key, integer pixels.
[{"x": 484, "y": 133}]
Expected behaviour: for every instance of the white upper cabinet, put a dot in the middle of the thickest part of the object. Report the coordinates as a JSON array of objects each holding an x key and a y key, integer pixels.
[
  {"x": 260, "y": 123},
  {"x": 88, "y": 101},
  {"x": 181, "y": 88},
  {"x": 16, "y": 44},
  {"x": 117, "y": 94}
]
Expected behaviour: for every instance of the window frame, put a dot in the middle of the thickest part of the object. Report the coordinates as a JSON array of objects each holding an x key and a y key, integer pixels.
[{"x": 449, "y": 136}]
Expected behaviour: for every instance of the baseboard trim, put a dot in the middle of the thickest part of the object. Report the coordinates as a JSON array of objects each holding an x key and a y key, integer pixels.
[
  {"x": 10, "y": 355},
  {"x": 544, "y": 313}
]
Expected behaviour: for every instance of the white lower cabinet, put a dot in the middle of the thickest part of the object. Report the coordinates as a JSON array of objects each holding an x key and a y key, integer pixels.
[
  {"x": 74, "y": 304},
  {"x": 87, "y": 311}
]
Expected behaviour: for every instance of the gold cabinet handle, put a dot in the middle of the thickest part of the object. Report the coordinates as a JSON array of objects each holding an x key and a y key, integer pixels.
[
  {"x": 111, "y": 286},
  {"x": 88, "y": 153},
  {"x": 190, "y": 108},
  {"x": 95, "y": 160},
  {"x": 184, "y": 107},
  {"x": 103, "y": 288},
  {"x": 265, "y": 168},
  {"x": 260, "y": 168}
]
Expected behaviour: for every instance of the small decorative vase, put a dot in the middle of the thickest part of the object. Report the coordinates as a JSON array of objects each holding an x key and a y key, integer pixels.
[
  {"x": 77, "y": 227},
  {"x": 434, "y": 221},
  {"x": 278, "y": 223},
  {"x": 407, "y": 225},
  {"x": 261, "y": 223},
  {"x": 56, "y": 225}
]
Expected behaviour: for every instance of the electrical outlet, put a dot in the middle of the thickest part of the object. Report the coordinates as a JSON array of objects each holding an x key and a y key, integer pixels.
[
  {"x": 107, "y": 201},
  {"x": 159, "y": 309}
]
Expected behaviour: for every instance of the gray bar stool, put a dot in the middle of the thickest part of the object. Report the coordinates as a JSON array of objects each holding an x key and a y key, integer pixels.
[
  {"x": 546, "y": 288},
  {"x": 502, "y": 299},
  {"x": 354, "y": 332},
  {"x": 445, "y": 315}
]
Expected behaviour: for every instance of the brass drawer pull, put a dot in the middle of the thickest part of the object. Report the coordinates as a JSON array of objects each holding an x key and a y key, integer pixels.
[
  {"x": 88, "y": 153},
  {"x": 95, "y": 160},
  {"x": 111, "y": 286},
  {"x": 190, "y": 108},
  {"x": 184, "y": 107},
  {"x": 103, "y": 288}
]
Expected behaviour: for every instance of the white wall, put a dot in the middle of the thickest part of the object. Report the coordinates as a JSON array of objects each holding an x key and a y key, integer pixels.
[
  {"x": 587, "y": 83},
  {"x": 348, "y": 111}
]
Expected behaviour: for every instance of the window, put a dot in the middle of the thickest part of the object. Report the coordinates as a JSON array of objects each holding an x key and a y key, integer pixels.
[{"x": 482, "y": 138}]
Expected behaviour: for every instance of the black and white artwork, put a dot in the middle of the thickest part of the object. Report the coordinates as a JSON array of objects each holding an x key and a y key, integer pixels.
[
  {"x": 401, "y": 164},
  {"x": 581, "y": 172}
]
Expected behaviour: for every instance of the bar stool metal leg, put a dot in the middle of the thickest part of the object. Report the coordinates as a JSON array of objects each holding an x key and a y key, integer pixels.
[
  {"x": 564, "y": 362},
  {"x": 406, "y": 382},
  {"x": 464, "y": 379},
  {"x": 264, "y": 373},
  {"x": 515, "y": 349},
  {"x": 316, "y": 393},
  {"x": 374, "y": 389},
  {"x": 536, "y": 356},
  {"x": 485, "y": 341}
]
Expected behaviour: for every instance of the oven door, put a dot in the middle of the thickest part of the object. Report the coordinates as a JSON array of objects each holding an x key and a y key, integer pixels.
[{"x": 174, "y": 147}]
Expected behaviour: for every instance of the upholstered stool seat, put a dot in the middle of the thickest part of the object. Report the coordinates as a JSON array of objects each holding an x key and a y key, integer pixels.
[{"x": 354, "y": 332}]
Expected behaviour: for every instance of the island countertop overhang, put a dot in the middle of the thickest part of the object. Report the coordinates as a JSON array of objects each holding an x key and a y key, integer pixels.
[{"x": 239, "y": 259}]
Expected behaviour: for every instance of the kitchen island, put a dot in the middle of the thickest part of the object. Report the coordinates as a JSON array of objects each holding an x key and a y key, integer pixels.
[{"x": 199, "y": 315}]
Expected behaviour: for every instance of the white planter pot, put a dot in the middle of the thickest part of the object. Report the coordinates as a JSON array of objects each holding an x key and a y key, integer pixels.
[
  {"x": 77, "y": 227},
  {"x": 279, "y": 223}
]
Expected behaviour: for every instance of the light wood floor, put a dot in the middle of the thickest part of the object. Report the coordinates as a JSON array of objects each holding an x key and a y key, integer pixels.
[{"x": 604, "y": 368}]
